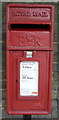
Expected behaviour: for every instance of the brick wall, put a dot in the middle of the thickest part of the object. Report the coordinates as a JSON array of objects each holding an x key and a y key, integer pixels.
[
  {"x": 0, "y": 60},
  {"x": 55, "y": 88},
  {"x": 58, "y": 57},
  {"x": 29, "y": 1}
]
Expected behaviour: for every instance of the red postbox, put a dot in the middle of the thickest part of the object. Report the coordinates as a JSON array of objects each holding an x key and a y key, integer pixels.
[{"x": 29, "y": 46}]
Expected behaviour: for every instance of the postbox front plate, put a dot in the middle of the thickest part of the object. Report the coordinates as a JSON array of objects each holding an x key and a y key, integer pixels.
[{"x": 29, "y": 45}]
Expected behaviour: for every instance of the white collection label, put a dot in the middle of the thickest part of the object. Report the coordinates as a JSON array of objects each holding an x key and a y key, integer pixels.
[{"x": 28, "y": 78}]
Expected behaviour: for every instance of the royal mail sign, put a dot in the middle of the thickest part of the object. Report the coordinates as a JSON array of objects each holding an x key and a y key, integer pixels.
[
  {"x": 29, "y": 14},
  {"x": 37, "y": 12}
]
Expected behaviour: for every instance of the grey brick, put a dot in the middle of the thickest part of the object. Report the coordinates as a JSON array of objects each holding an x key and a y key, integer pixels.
[
  {"x": 0, "y": 114},
  {"x": 54, "y": 94},
  {"x": 55, "y": 47},
  {"x": 0, "y": 104},
  {"x": 58, "y": 110},
  {"x": 6, "y": 0},
  {"x": 55, "y": 76},
  {"x": 0, "y": 6},
  {"x": 0, "y": 60},
  {"x": 4, "y": 27},
  {"x": 0, "y": 27},
  {"x": 3, "y": 45},
  {"x": 0, "y": 94},
  {"x": 55, "y": 37},
  {"x": 0, "y": 84},
  {"x": 34, "y": 116},
  {"x": 58, "y": 77},
  {"x": 1, "y": 66},
  {"x": 3, "y": 84},
  {"x": 58, "y": 55},
  {"x": 55, "y": 67},
  {"x": 58, "y": 104},
  {"x": 0, "y": 12},
  {"x": 44, "y": 116},
  {"x": 3, "y": 54},
  {"x": 22, "y": 0},
  {"x": 55, "y": 57},
  {"x": 4, "y": 104},
  {"x": 5, "y": 115},
  {"x": 55, "y": 85},
  {"x": 12, "y": 118},
  {"x": 0, "y": 17},
  {"x": 34, "y": 1},
  {"x": 4, "y": 6},
  {"x": 58, "y": 58},
  {"x": 4, "y": 38},
  {"x": 0, "y": 74},
  {"x": 58, "y": 93},
  {"x": 58, "y": 67},
  {"x": 4, "y": 18},
  {"x": 55, "y": 18},
  {"x": 0, "y": 34},
  {"x": 55, "y": 28},
  {"x": 0, "y": 47},
  {"x": 3, "y": 94},
  {"x": 4, "y": 73},
  {"x": 54, "y": 109}
]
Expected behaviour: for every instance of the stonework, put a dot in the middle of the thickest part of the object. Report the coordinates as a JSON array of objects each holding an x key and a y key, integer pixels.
[{"x": 28, "y": 0}]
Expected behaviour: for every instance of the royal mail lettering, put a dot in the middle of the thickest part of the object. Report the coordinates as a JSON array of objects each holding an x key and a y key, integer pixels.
[
  {"x": 40, "y": 14},
  {"x": 22, "y": 14},
  {"x": 29, "y": 14}
]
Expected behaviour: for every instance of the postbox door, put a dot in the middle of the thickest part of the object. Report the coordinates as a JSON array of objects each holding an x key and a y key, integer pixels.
[{"x": 34, "y": 101}]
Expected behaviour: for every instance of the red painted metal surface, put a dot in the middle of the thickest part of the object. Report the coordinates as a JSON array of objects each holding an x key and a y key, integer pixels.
[{"x": 30, "y": 27}]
